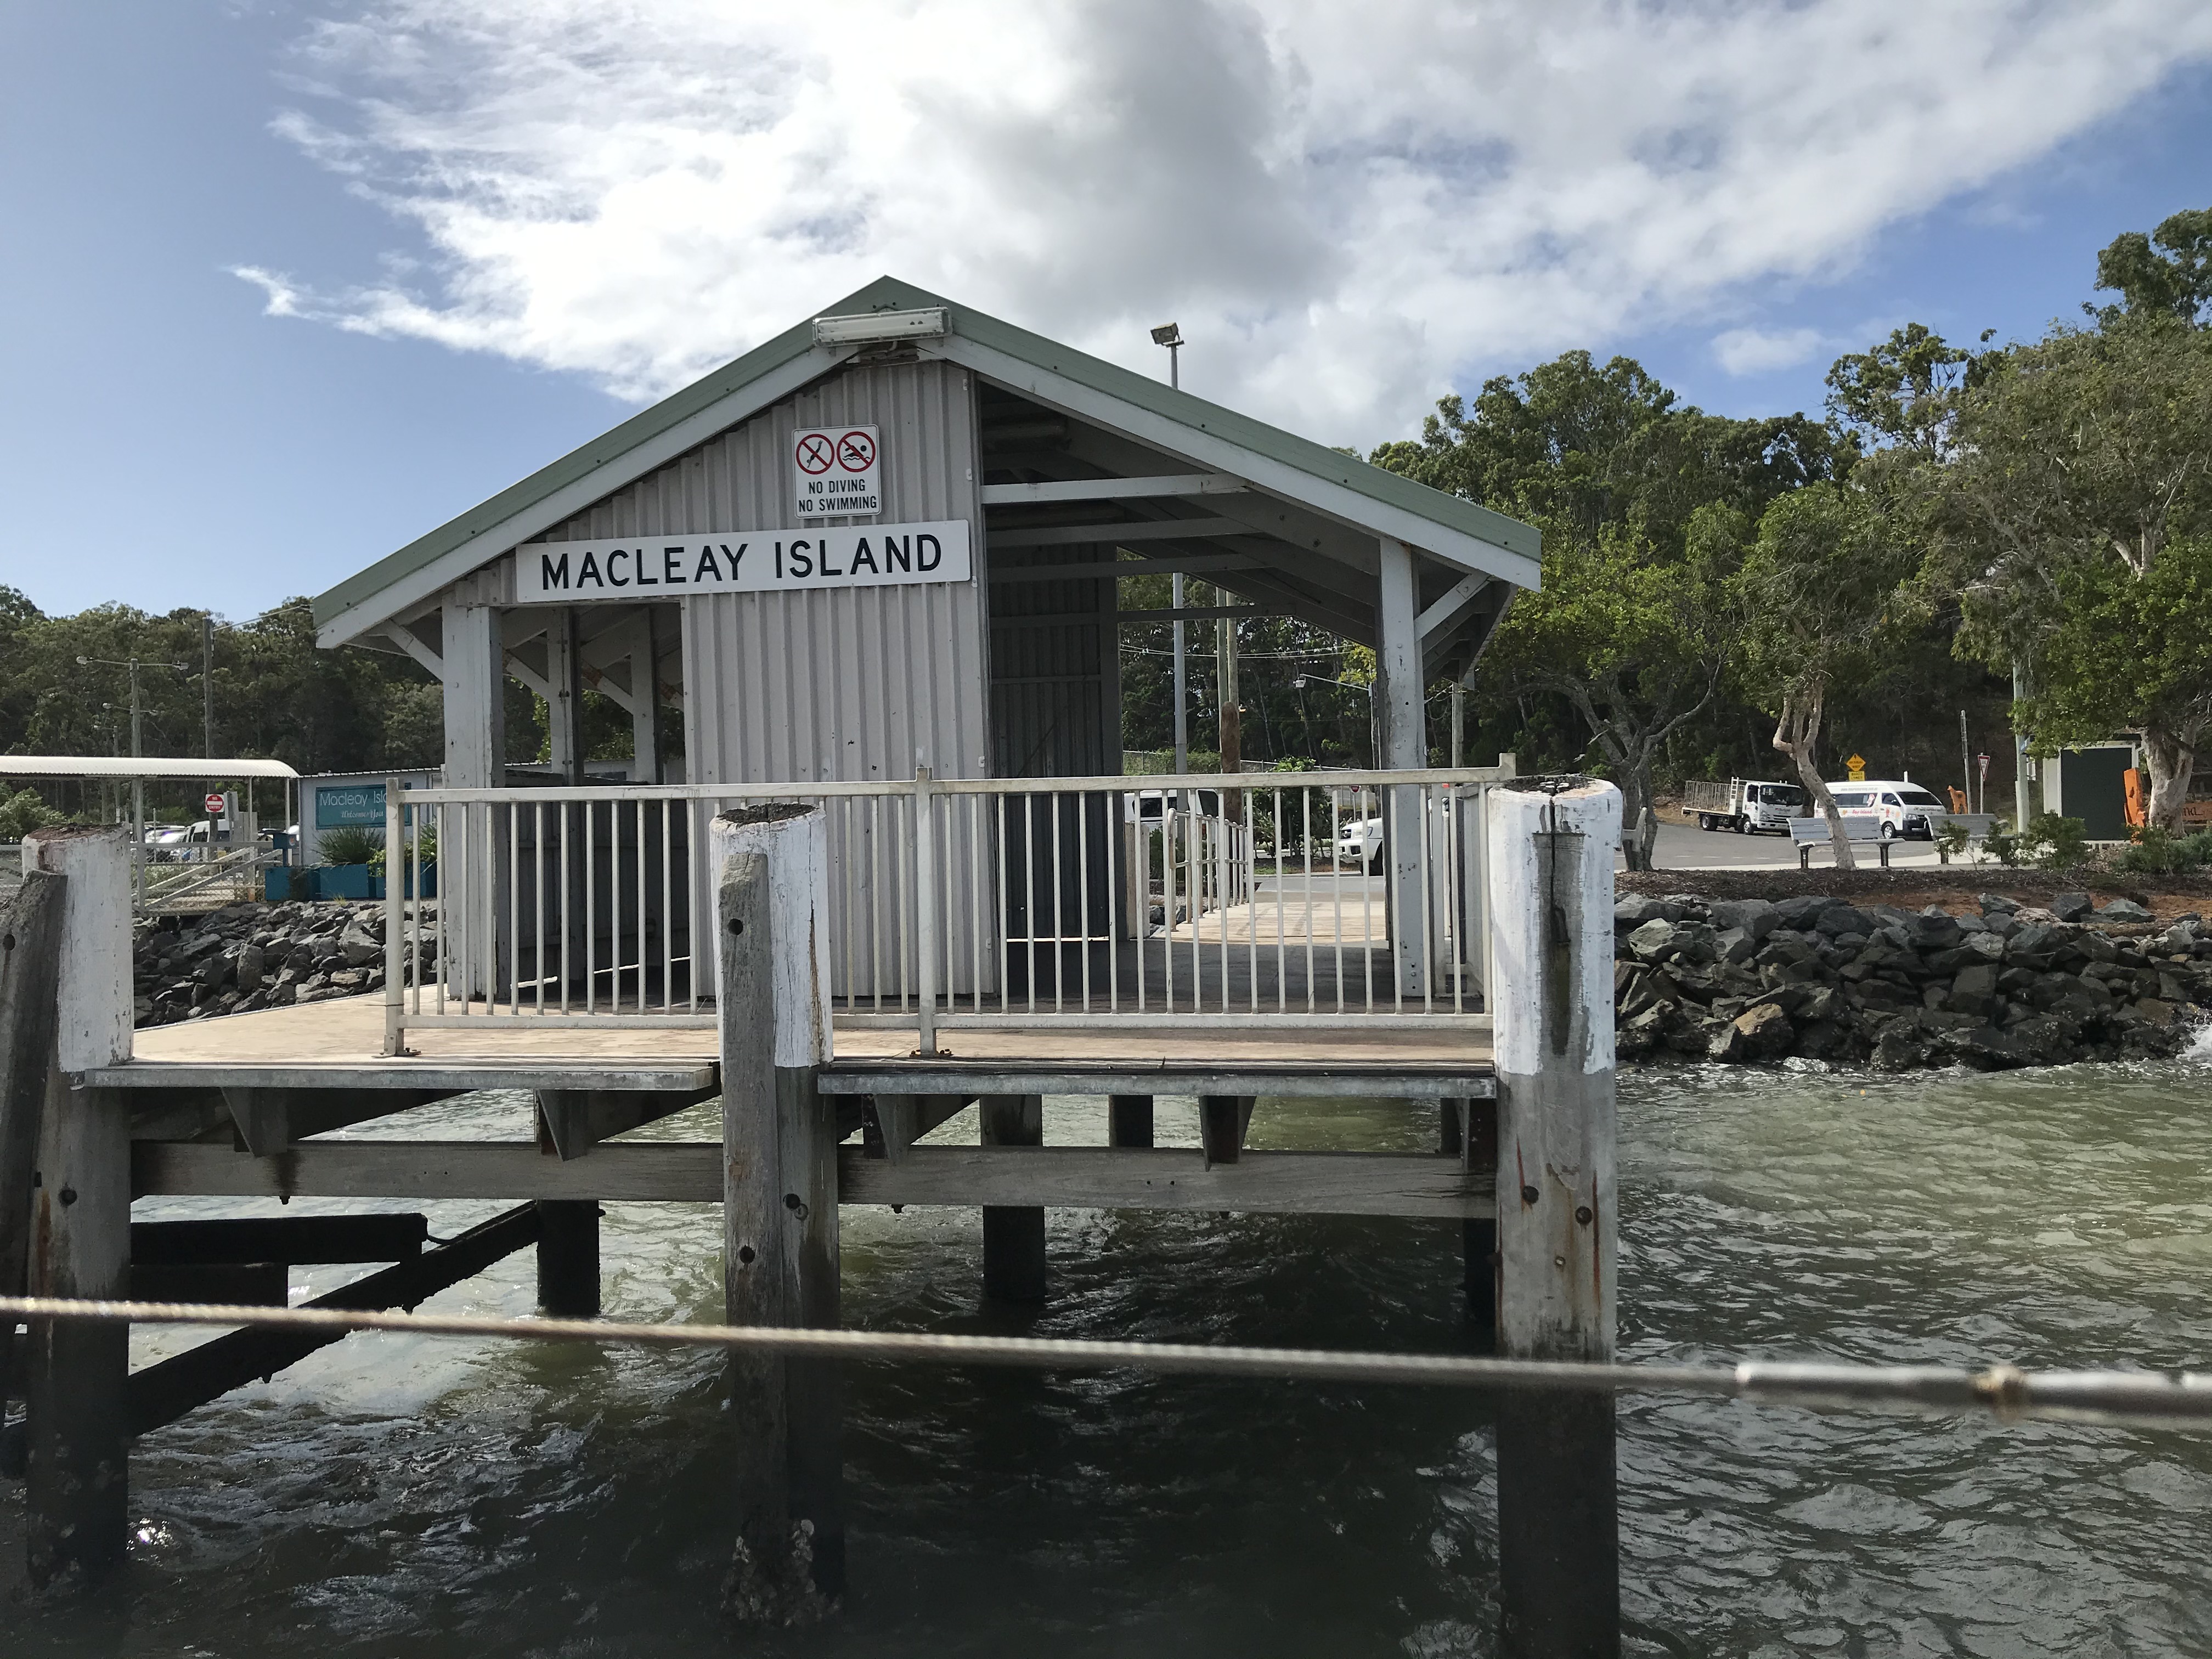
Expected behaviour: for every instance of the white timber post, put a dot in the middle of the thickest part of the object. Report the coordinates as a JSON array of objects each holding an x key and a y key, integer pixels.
[
  {"x": 474, "y": 666},
  {"x": 645, "y": 701},
  {"x": 1403, "y": 736},
  {"x": 928, "y": 936},
  {"x": 1551, "y": 844},
  {"x": 78, "y": 1437},
  {"x": 475, "y": 669},
  {"x": 565, "y": 668},
  {"x": 779, "y": 1261}
]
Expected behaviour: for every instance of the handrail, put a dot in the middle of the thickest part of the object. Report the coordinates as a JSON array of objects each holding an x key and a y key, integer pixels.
[
  {"x": 1313, "y": 898},
  {"x": 165, "y": 884},
  {"x": 1144, "y": 783}
]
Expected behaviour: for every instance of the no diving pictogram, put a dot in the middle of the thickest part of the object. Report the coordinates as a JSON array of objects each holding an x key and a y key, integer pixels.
[
  {"x": 856, "y": 451},
  {"x": 815, "y": 454}
]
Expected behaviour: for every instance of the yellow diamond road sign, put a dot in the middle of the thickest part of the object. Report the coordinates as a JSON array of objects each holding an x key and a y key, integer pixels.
[{"x": 1858, "y": 765}]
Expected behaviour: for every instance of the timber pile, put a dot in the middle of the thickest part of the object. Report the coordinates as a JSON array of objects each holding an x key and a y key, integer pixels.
[
  {"x": 246, "y": 957},
  {"x": 1749, "y": 980}
]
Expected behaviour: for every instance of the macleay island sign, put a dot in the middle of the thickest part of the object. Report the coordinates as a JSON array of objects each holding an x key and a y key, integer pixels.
[{"x": 741, "y": 561}]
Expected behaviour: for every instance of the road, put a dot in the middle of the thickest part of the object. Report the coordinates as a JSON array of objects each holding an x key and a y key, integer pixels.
[
  {"x": 1686, "y": 847},
  {"x": 1681, "y": 846}
]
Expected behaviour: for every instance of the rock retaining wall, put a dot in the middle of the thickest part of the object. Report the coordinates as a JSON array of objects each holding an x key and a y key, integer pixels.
[
  {"x": 247, "y": 956},
  {"x": 1866, "y": 984}
]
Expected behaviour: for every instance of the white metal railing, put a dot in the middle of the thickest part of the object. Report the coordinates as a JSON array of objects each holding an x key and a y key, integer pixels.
[
  {"x": 1234, "y": 900},
  {"x": 228, "y": 877}
]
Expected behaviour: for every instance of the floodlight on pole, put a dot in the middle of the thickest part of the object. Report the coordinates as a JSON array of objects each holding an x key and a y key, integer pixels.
[{"x": 1167, "y": 335}]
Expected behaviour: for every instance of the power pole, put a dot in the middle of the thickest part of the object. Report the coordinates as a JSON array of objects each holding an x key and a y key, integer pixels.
[
  {"x": 1966, "y": 760},
  {"x": 207, "y": 676},
  {"x": 1182, "y": 689},
  {"x": 1232, "y": 712}
]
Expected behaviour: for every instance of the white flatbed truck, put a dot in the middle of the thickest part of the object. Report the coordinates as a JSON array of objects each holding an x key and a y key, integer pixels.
[{"x": 1747, "y": 805}]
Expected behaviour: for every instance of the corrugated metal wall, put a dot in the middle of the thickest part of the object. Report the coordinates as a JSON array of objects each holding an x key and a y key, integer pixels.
[
  {"x": 848, "y": 684},
  {"x": 854, "y": 684}
]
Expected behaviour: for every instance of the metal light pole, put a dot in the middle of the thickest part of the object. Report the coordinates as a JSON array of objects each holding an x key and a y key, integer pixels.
[
  {"x": 1182, "y": 690},
  {"x": 207, "y": 678},
  {"x": 137, "y": 750},
  {"x": 1167, "y": 335}
]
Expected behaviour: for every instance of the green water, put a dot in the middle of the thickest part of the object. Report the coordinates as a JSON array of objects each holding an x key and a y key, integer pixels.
[{"x": 438, "y": 1497}]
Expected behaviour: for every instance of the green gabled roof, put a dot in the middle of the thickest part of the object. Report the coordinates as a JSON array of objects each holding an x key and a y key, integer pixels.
[{"x": 889, "y": 294}]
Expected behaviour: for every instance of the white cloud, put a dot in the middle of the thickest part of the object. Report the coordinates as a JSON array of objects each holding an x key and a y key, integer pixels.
[
  {"x": 1347, "y": 208},
  {"x": 1760, "y": 351}
]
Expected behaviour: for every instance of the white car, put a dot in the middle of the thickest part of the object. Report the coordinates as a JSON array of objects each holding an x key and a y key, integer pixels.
[
  {"x": 1359, "y": 841},
  {"x": 1904, "y": 808}
]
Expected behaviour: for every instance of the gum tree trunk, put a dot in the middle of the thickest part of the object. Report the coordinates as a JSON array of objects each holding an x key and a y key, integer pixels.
[
  {"x": 2173, "y": 757},
  {"x": 1797, "y": 734}
]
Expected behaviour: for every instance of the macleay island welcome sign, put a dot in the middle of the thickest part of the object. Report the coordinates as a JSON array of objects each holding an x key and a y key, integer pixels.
[{"x": 742, "y": 561}]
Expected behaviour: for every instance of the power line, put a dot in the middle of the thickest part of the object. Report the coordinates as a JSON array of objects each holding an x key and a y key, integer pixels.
[{"x": 2134, "y": 1399}]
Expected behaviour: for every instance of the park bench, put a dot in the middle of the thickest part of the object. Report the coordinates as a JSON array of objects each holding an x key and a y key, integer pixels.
[{"x": 1805, "y": 834}]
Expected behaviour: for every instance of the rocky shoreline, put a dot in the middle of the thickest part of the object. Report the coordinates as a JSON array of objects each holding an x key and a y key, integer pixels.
[
  {"x": 2002, "y": 986},
  {"x": 248, "y": 957},
  {"x": 1695, "y": 978}
]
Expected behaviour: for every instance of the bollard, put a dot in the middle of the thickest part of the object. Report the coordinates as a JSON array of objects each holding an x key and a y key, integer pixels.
[
  {"x": 1551, "y": 843},
  {"x": 77, "y": 1443},
  {"x": 779, "y": 1206}
]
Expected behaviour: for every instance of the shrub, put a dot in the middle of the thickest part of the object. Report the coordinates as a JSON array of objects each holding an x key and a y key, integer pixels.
[
  {"x": 428, "y": 839},
  {"x": 2157, "y": 852},
  {"x": 349, "y": 844},
  {"x": 2056, "y": 843},
  {"x": 1951, "y": 839},
  {"x": 22, "y": 812}
]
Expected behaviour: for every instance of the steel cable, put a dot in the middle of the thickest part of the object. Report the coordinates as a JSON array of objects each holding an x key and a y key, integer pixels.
[{"x": 2112, "y": 1397}]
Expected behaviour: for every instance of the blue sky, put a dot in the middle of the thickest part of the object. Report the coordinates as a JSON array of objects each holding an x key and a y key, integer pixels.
[{"x": 169, "y": 442}]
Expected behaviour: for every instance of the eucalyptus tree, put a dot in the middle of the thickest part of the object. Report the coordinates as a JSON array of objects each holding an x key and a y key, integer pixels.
[
  {"x": 1820, "y": 597},
  {"x": 1630, "y": 630},
  {"x": 2080, "y": 462}
]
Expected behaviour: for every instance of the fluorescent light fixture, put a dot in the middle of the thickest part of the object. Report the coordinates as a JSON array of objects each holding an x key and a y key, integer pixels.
[{"x": 869, "y": 327}]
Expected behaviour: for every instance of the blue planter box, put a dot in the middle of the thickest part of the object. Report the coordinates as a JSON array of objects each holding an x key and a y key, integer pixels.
[
  {"x": 379, "y": 887},
  {"x": 282, "y": 885},
  {"x": 341, "y": 881}
]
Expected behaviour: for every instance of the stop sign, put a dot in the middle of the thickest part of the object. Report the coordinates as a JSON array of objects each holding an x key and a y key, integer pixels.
[{"x": 214, "y": 805}]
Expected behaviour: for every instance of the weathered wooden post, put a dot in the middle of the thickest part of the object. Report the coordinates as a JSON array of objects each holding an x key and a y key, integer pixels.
[
  {"x": 30, "y": 955},
  {"x": 1013, "y": 1235},
  {"x": 1551, "y": 843},
  {"x": 78, "y": 1442},
  {"x": 1128, "y": 1119},
  {"x": 568, "y": 1257},
  {"x": 1468, "y": 1130},
  {"x": 780, "y": 1206}
]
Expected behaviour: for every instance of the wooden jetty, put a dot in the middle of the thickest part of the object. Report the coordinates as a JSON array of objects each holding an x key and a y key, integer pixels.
[{"x": 900, "y": 874}]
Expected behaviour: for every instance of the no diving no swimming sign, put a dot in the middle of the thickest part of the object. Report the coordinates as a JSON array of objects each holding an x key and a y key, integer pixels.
[{"x": 835, "y": 472}]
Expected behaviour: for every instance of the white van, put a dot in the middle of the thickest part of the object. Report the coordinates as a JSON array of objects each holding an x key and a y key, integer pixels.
[{"x": 1904, "y": 808}]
